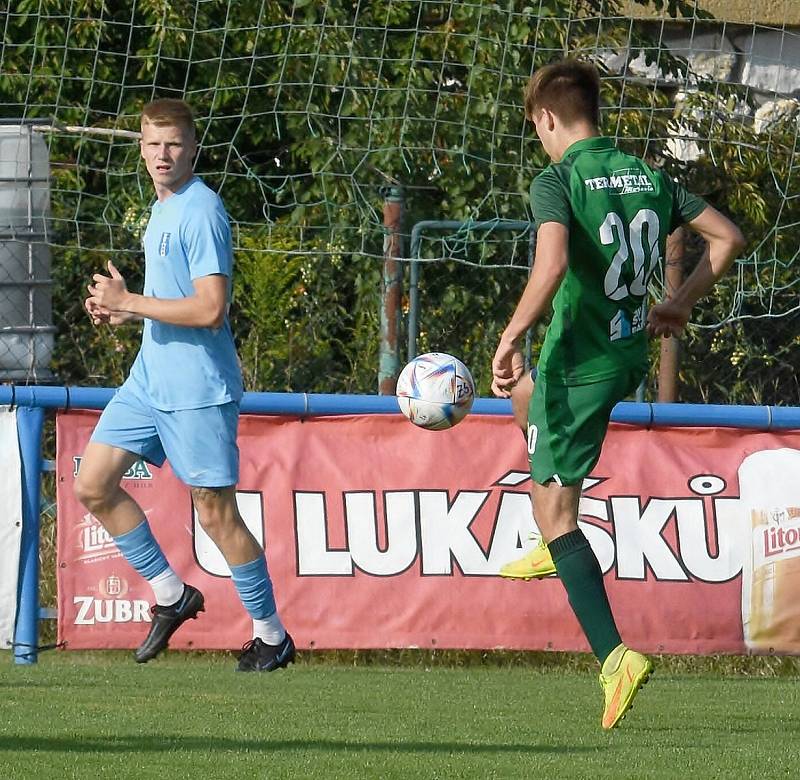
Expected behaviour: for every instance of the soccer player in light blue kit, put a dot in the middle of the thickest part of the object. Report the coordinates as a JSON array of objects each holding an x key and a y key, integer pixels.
[{"x": 181, "y": 399}]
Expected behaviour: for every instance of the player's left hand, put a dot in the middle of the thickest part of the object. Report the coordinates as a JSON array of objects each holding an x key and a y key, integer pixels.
[
  {"x": 507, "y": 368},
  {"x": 109, "y": 292}
]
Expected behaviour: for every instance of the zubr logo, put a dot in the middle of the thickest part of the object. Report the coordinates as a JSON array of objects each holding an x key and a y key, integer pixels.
[
  {"x": 113, "y": 586},
  {"x": 432, "y": 528},
  {"x": 110, "y": 608}
]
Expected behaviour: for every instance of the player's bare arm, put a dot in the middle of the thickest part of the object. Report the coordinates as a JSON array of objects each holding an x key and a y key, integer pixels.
[
  {"x": 549, "y": 269},
  {"x": 724, "y": 241},
  {"x": 205, "y": 309}
]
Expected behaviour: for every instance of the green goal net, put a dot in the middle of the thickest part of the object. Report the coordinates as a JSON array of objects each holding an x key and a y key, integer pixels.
[{"x": 308, "y": 111}]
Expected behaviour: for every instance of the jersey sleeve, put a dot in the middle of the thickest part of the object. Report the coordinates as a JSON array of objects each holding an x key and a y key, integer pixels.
[
  {"x": 549, "y": 199},
  {"x": 685, "y": 205},
  {"x": 206, "y": 234}
]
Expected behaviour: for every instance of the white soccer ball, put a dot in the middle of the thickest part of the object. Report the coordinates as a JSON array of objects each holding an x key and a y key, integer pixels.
[{"x": 435, "y": 391}]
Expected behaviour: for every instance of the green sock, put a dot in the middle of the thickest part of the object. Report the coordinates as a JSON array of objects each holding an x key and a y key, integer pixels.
[{"x": 580, "y": 572}]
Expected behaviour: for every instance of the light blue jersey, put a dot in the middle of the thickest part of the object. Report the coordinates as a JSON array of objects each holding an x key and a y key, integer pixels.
[{"x": 188, "y": 237}]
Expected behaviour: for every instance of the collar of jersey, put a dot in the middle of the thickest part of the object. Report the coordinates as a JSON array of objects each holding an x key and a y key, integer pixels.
[
  {"x": 589, "y": 144},
  {"x": 159, "y": 205}
]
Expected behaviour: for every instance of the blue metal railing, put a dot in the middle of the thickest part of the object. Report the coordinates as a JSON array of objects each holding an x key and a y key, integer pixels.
[
  {"x": 769, "y": 418},
  {"x": 31, "y": 402}
]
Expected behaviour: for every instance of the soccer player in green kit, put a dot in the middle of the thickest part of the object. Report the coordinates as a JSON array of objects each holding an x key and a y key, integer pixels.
[{"x": 602, "y": 221}]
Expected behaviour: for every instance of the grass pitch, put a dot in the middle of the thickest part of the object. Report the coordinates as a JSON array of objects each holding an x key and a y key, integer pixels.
[{"x": 99, "y": 715}]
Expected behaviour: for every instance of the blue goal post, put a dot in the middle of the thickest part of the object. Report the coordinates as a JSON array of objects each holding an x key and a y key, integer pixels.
[{"x": 32, "y": 401}]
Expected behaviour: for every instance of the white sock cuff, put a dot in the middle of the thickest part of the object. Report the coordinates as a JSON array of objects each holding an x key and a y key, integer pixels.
[
  {"x": 269, "y": 630},
  {"x": 167, "y": 587}
]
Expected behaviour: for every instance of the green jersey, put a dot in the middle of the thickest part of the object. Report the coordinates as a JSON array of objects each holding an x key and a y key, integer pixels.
[{"x": 619, "y": 212}]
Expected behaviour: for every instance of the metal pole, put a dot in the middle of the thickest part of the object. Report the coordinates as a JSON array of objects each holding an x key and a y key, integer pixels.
[
  {"x": 391, "y": 290},
  {"x": 30, "y": 421},
  {"x": 413, "y": 308},
  {"x": 413, "y": 295},
  {"x": 670, "y": 356}
]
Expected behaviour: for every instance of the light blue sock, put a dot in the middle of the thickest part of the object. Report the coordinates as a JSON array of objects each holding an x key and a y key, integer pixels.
[
  {"x": 141, "y": 551},
  {"x": 254, "y": 588}
]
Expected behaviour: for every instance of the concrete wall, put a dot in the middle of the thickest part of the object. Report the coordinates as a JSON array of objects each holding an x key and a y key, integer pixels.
[
  {"x": 764, "y": 58},
  {"x": 771, "y": 12}
]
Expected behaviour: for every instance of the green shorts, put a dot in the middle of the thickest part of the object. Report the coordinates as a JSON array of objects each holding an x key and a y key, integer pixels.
[{"x": 567, "y": 425}]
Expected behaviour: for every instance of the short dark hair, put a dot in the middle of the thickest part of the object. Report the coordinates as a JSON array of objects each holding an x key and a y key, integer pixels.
[
  {"x": 169, "y": 112},
  {"x": 570, "y": 89}
]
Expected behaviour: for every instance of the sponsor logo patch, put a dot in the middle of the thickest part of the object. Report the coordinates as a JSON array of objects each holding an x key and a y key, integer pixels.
[
  {"x": 109, "y": 606},
  {"x": 625, "y": 181}
]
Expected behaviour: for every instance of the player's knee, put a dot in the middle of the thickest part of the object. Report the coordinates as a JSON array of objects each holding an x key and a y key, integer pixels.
[
  {"x": 219, "y": 525},
  {"x": 93, "y": 494},
  {"x": 216, "y": 511}
]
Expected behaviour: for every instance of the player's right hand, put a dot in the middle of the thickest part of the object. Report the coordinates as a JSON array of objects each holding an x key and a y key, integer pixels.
[
  {"x": 97, "y": 313},
  {"x": 100, "y": 315},
  {"x": 507, "y": 368}
]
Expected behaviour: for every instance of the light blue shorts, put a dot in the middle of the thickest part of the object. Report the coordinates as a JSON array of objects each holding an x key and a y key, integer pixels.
[{"x": 200, "y": 444}]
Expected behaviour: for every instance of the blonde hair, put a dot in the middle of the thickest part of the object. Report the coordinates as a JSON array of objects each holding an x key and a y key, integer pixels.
[{"x": 169, "y": 112}]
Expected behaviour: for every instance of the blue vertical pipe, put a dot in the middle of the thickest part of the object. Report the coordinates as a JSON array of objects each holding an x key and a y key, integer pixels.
[{"x": 30, "y": 421}]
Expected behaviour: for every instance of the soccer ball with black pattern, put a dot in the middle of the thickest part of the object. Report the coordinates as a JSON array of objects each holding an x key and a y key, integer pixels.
[{"x": 435, "y": 391}]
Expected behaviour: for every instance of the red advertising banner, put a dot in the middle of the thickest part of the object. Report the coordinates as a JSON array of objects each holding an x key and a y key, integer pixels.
[{"x": 380, "y": 534}]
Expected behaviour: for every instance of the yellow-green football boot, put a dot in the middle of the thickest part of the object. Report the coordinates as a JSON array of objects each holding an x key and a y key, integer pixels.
[
  {"x": 535, "y": 564},
  {"x": 623, "y": 674}
]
